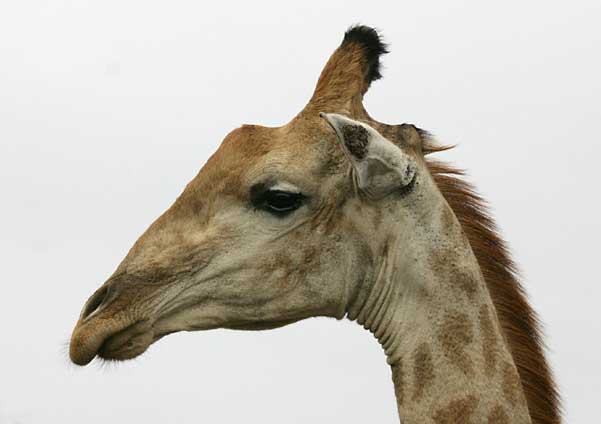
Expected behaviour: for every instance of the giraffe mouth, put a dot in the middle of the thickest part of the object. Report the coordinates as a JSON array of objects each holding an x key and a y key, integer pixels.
[
  {"x": 108, "y": 340},
  {"x": 128, "y": 343},
  {"x": 121, "y": 345},
  {"x": 119, "y": 341}
]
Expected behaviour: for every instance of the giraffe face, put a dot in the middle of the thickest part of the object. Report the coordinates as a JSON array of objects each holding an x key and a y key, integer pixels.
[
  {"x": 272, "y": 230},
  {"x": 251, "y": 242},
  {"x": 277, "y": 226}
]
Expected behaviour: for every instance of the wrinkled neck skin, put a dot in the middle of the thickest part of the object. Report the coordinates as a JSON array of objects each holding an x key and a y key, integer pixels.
[{"x": 426, "y": 302}]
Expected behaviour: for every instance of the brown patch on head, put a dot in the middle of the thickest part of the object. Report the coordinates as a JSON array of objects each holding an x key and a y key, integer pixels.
[
  {"x": 423, "y": 371},
  {"x": 489, "y": 341},
  {"x": 222, "y": 176},
  {"x": 511, "y": 383},
  {"x": 498, "y": 416},
  {"x": 457, "y": 411},
  {"x": 406, "y": 136},
  {"x": 327, "y": 216},
  {"x": 283, "y": 264},
  {"x": 309, "y": 255},
  {"x": 410, "y": 137},
  {"x": 355, "y": 138},
  {"x": 332, "y": 160},
  {"x": 455, "y": 333}
]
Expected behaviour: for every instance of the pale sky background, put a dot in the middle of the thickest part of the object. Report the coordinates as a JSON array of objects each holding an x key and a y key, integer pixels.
[{"x": 108, "y": 108}]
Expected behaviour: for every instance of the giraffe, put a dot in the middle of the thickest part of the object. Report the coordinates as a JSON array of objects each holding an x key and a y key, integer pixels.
[{"x": 338, "y": 215}]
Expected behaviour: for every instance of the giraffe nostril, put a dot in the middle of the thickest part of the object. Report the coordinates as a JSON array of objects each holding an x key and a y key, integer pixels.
[{"x": 94, "y": 302}]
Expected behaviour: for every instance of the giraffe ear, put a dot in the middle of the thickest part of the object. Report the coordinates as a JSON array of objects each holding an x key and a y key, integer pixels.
[{"x": 381, "y": 167}]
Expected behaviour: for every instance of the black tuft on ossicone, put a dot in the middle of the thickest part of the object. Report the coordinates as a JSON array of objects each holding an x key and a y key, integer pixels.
[{"x": 373, "y": 47}]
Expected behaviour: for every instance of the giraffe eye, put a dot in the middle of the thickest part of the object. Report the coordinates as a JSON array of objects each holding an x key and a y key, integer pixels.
[
  {"x": 277, "y": 202},
  {"x": 281, "y": 202}
]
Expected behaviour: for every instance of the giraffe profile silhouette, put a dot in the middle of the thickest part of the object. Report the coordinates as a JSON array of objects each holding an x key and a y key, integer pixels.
[{"x": 336, "y": 214}]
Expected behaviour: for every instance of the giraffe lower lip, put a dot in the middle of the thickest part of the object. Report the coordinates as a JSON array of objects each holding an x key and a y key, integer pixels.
[{"x": 127, "y": 343}]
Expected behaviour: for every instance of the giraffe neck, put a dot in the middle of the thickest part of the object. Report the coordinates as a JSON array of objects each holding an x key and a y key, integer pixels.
[{"x": 430, "y": 310}]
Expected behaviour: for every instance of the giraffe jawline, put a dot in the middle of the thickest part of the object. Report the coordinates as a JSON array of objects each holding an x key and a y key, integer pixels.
[
  {"x": 257, "y": 326},
  {"x": 135, "y": 339}
]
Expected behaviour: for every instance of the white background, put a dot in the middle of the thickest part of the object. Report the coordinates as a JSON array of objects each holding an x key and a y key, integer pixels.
[{"x": 107, "y": 109}]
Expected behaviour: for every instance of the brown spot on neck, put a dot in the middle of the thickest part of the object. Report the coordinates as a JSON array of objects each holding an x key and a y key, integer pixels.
[
  {"x": 498, "y": 416},
  {"x": 489, "y": 341},
  {"x": 448, "y": 271},
  {"x": 463, "y": 282},
  {"x": 423, "y": 371},
  {"x": 457, "y": 411},
  {"x": 455, "y": 334},
  {"x": 511, "y": 383}
]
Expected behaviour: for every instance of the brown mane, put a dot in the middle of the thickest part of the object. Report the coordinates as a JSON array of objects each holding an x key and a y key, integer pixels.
[{"x": 519, "y": 322}]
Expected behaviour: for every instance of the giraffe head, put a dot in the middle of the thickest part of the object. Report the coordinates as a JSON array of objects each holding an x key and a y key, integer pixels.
[{"x": 279, "y": 225}]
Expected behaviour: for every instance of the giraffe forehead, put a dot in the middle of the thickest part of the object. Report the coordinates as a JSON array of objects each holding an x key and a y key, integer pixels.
[
  {"x": 225, "y": 170},
  {"x": 292, "y": 155}
]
